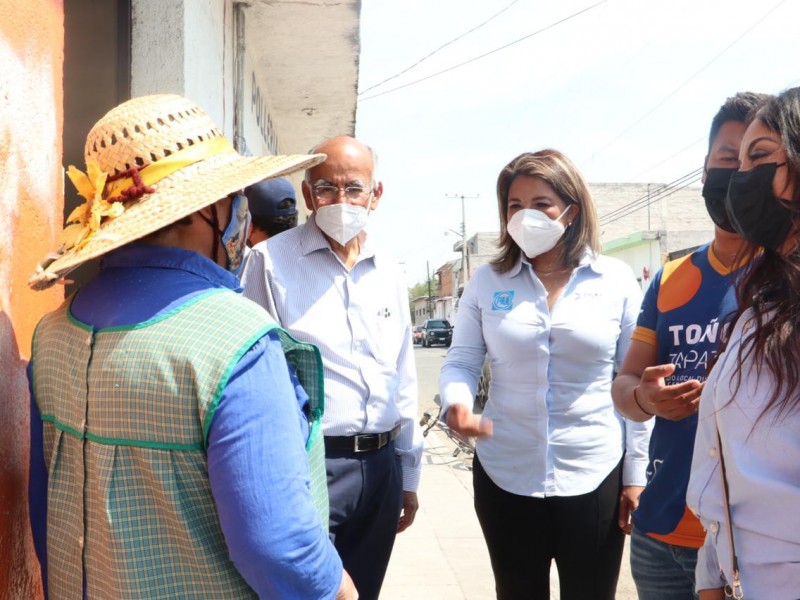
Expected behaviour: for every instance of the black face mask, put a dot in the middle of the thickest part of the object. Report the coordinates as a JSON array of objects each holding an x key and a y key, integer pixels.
[
  {"x": 714, "y": 191},
  {"x": 754, "y": 210}
]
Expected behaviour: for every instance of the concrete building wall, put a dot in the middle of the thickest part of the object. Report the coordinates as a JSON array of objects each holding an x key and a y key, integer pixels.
[
  {"x": 644, "y": 258},
  {"x": 481, "y": 249},
  {"x": 185, "y": 47},
  {"x": 419, "y": 309},
  {"x": 677, "y": 214},
  {"x": 31, "y": 58},
  {"x": 446, "y": 283},
  {"x": 157, "y": 47}
]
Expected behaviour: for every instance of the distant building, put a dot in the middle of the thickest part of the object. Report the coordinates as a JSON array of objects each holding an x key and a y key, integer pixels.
[
  {"x": 442, "y": 306},
  {"x": 646, "y": 225},
  {"x": 421, "y": 309},
  {"x": 481, "y": 248},
  {"x": 623, "y": 208}
]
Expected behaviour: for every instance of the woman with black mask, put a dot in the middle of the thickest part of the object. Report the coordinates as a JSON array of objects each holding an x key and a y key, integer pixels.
[{"x": 745, "y": 481}]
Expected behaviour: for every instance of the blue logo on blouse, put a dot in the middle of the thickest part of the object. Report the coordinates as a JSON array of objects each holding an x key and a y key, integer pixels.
[{"x": 503, "y": 300}]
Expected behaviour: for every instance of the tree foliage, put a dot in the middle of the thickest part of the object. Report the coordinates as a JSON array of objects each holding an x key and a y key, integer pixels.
[{"x": 421, "y": 289}]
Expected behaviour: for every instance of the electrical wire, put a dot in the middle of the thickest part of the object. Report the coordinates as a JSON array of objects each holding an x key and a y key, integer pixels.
[
  {"x": 662, "y": 197},
  {"x": 648, "y": 202},
  {"x": 475, "y": 58},
  {"x": 657, "y": 194},
  {"x": 691, "y": 145},
  {"x": 654, "y": 194},
  {"x": 669, "y": 158},
  {"x": 427, "y": 56},
  {"x": 685, "y": 83}
]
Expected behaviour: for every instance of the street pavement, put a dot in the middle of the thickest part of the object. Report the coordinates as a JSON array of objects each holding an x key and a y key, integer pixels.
[{"x": 443, "y": 556}]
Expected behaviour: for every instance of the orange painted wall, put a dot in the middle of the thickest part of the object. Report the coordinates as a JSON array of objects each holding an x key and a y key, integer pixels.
[{"x": 31, "y": 200}]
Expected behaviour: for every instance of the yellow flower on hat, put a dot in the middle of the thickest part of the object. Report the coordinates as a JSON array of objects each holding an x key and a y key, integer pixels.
[{"x": 87, "y": 217}]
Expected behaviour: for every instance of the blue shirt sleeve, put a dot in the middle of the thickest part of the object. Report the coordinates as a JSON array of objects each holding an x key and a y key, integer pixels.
[
  {"x": 37, "y": 485},
  {"x": 259, "y": 475}
]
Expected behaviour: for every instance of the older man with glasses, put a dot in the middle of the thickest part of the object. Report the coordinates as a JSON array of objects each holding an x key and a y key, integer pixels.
[{"x": 324, "y": 283}]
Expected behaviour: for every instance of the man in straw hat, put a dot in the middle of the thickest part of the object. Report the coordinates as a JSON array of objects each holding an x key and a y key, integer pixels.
[
  {"x": 169, "y": 432},
  {"x": 325, "y": 283}
]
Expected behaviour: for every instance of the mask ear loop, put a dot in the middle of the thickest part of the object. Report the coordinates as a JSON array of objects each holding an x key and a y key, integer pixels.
[
  {"x": 214, "y": 223},
  {"x": 566, "y": 210},
  {"x": 369, "y": 201}
]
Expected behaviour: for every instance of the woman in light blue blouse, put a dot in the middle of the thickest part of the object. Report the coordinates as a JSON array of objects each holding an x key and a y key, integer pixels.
[
  {"x": 557, "y": 470},
  {"x": 749, "y": 420}
]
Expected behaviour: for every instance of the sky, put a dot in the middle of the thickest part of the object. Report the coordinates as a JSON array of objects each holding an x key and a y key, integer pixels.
[{"x": 626, "y": 88}]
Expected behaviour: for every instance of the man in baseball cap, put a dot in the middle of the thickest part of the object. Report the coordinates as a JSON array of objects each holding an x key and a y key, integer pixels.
[{"x": 273, "y": 208}]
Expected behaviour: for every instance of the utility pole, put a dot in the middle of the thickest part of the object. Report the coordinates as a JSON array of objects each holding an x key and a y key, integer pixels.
[
  {"x": 464, "y": 253},
  {"x": 428, "y": 265}
]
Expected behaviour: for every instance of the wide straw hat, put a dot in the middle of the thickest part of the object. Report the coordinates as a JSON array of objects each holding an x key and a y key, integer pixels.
[{"x": 150, "y": 162}]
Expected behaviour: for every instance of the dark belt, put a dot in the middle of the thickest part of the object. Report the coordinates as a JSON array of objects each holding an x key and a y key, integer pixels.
[{"x": 363, "y": 442}]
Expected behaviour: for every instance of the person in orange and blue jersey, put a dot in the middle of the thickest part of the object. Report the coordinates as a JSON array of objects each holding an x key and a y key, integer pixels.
[{"x": 681, "y": 323}]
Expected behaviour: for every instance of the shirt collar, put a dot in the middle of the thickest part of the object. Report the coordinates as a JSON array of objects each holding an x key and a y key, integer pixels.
[
  {"x": 589, "y": 259},
  {"x": 139, "y": 254}
]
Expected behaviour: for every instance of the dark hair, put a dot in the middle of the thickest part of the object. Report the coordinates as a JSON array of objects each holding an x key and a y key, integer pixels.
[
  {"x": 274, "y": 225},
  {"x": 152, "y": 237},
  {"x": 770, "y": 287},
  {"x": 739, "y": 107},
  {"x": 563, "y": 176}
]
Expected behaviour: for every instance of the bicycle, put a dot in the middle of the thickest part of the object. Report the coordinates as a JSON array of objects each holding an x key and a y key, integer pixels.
[{"x": 463, "y": 444}]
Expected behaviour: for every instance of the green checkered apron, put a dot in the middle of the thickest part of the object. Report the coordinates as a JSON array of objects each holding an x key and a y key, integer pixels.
[{"x": 126, "y": 413}]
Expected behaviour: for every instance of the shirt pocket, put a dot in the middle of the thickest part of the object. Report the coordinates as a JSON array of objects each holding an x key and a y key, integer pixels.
[{"x": 385, "y": 333}]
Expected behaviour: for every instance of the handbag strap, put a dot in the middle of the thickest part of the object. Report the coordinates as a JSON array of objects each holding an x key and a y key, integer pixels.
[{"x": 733, "y": 590}]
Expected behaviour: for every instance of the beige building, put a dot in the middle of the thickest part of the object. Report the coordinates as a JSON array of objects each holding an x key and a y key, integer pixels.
[{"x": 645, "y": 225}]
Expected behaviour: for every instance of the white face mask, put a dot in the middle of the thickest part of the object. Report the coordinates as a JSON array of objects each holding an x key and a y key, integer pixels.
[
  {"x": 534, "y": 232},
  {"x": 341, "y": 222}
]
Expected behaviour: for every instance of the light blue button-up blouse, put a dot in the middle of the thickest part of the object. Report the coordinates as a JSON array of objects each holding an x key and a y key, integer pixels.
[{"x": 556, "y": 432}]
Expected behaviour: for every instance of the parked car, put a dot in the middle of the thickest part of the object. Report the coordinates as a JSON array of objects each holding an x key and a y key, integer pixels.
[
  {"x": 437, "y": 331},
  {"x": 417, "y": 334}
]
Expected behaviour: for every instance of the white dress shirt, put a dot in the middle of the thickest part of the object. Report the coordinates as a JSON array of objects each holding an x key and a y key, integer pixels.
[
  {"x": 762, "y": 464},
  {"x": 556, "y": 432},
  {"x": 359, "y": 319}
]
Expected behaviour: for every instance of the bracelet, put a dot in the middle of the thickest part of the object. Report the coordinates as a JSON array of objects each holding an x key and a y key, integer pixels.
[{"x": 641, "y": 408}]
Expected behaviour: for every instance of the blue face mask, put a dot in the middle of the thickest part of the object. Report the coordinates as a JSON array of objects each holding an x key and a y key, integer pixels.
[{"x": 234, "y": 238}]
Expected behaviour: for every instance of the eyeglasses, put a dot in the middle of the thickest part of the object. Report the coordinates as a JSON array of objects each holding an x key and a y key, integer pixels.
[{"x": 330, "y": 193}]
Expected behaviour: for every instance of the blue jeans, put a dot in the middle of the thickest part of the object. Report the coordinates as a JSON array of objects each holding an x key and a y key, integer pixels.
[{"x": 662, "y": 571}]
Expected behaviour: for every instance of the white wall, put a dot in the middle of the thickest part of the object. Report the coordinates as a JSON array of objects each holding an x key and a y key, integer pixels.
[
  {"x": 260, "y": 130},
  {"x": 645, "y": 255},
  {"x": 207, "y": 59},
  {"x": 157, "y": 47},
  {"x": 185, "y": 47}
]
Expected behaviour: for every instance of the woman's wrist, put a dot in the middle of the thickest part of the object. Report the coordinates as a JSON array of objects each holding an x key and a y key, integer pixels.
[{"x": 639, "y": 404}]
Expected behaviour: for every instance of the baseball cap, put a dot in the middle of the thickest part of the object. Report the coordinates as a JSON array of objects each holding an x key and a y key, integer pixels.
[{"x": 271, "y": 198}]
